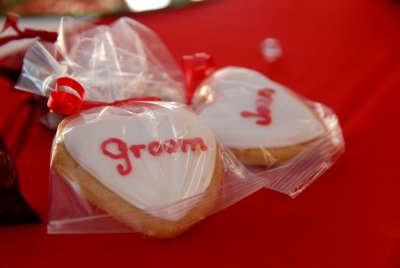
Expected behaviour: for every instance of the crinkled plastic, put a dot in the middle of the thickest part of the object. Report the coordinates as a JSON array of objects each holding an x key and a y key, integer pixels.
[
  {"x": 115, "y": 62},
  {"x": 267, "y": 126},
  {"x": 151, "y": 167},
  {"x": 157, "y": 168}
]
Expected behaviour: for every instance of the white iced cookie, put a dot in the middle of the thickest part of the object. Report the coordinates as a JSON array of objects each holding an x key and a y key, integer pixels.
[
  {"x": 261, "y": 121},
  {"x": 135, "y": 162}
]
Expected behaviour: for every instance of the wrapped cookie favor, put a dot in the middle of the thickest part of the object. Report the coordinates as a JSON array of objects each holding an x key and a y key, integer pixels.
[
  {"x": 158, "y": 168},
  {"x": 266, "y": 125}
]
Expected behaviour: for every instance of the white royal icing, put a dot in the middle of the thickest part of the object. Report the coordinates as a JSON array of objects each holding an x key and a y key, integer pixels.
[
  {"x": 234, "y": 90},
  {"x": 154, "y": 180}
]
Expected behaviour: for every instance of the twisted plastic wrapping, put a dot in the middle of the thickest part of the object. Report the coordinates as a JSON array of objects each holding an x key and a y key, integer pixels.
[{"x": 122, "y": 60}]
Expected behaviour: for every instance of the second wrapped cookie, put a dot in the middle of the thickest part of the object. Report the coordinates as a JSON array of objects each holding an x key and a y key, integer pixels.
[{"x": 261, "y": 121}]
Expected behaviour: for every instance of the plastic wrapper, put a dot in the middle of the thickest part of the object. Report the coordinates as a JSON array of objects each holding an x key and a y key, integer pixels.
[
  {"x": 122, "y": 60},
  {"x": 156, "y": 168},
  {"x": 150, "y": 167},
  {"x": 268, "y": 126}
]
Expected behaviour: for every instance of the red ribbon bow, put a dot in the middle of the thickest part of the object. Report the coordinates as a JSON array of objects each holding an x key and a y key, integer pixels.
[{"x": 66, "y": 103}]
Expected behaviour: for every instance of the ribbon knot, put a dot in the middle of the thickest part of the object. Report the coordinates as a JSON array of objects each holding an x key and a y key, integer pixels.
[
  {"x": 196, "y": 68},
  {"x": 66, "y": 103}
]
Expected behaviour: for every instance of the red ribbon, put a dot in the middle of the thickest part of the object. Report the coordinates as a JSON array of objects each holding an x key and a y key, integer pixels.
[
  {"x": 196, "y": 68},
  {"x": 65, "y": 103},
  {"x": 12, "y": 22}
]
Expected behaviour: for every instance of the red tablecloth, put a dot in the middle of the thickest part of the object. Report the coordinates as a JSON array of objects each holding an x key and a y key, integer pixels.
[{"x": 345, "y": 54}]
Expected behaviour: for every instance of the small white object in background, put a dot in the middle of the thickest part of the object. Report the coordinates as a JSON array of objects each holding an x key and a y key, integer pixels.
[
  {"x": 143, "y": 5},
  {"x": 146, "y": 5},
  {"x": 271, "y": 49}
]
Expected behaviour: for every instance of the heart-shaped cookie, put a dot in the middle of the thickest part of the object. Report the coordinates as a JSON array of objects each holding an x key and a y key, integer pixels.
[
  {"x": 132, "y": 160},
  {"x": 261, "y": 121}
]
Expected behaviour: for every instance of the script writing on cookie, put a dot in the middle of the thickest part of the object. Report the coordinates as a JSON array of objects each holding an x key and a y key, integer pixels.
[
  {"x": 263, "y": 109},
  {"x": 117, "y": 149}
]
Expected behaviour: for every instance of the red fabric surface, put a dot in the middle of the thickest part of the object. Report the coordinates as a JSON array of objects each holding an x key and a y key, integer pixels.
[{"x": 345, "y": 54}]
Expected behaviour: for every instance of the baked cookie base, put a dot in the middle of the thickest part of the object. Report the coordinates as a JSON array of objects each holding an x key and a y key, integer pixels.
[
  {"x": 269, "y": 156},
  {"x": 97, "y": 194}
]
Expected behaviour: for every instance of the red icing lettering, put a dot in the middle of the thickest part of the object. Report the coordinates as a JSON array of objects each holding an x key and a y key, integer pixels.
[
  {"x": 263, "y": 103},
  {"x": 263, "y": 110},
  {"x": 266, "y": 92},
  {"x": 193, "y": 143},
  {"x": 154, "y": 148},
  {"x": 135, "y": 149},
  {"x": 123, "y": 154},
  {"x": 170, "y": 146}
]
